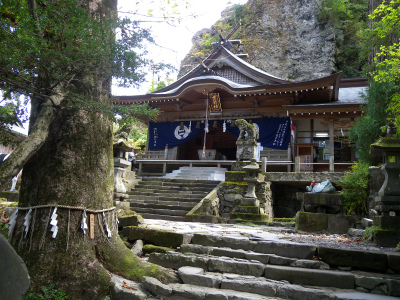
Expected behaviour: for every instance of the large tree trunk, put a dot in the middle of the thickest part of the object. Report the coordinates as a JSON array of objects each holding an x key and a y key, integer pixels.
[{"x": 74, "y": 168}]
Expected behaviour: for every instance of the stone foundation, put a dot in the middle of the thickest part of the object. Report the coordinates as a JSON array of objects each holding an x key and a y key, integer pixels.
[{"x": 320, "y": 222}]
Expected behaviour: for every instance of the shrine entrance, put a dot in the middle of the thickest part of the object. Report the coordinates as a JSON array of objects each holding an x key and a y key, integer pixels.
[{"x": 219, "y": 145}]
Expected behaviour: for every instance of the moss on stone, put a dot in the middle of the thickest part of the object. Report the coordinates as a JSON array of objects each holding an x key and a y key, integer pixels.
[
  {"x": 148, "y": 248},
  {"x": 156, "y": 237},
  {"x": 311, "y": 222},
  {"x": 249, "y": 216},
  {"x": 235, "y": 183},
  {"x": 284, "y": 220},
  {"x": 4, "y": 202},
  {"x": 127, "y": 244},
  {"x": 122, "y": 261},
  {"x": 249, "y": 209}
]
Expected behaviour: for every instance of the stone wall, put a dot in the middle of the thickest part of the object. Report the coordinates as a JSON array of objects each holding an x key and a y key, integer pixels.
[
  {"x": 286, "y": 37},
  {"x": 231, "y": 192}
]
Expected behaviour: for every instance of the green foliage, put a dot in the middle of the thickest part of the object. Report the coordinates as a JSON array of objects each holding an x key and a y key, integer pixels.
[
  {"x": 369, "y": 233},
  {"x": 138, "y": 135},
  {"x": 355, "y": 189},
  {"x": 158, "y": 84},
  {"x": 385, "y": 35},
  {"x": 349, "y": 19},
  {"x": 46, "y": 293},
  {"x": 59, "y": 48},
  {"x": 368, "y": 127}
]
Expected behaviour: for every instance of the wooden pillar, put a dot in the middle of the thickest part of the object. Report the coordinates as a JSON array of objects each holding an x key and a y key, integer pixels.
[
  {"x": 297, "y": 164},
  {"x": 140, "y": 168},
  {"x": 165, "y": 158},
  {"x": 331, "y": 164},
  {"x": 331, "y": 138},
  {"x": 263, "y": 165}
]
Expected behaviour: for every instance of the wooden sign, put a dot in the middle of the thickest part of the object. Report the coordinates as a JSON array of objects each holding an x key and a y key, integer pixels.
[{"x": 91, "y": 225}]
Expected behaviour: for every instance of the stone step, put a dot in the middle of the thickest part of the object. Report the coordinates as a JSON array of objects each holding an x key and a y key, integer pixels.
[
  {"x": 250, "y": 255},
  {"x": 291, "y": 250},
  {"x": 294, "y": 275},
  {"x": 160, "y": 179},
  {"x": 266, "y": 287},
  {"x": 144, "y": 198},
  {"x": 249, "y": 284},
  {"x": 165, "y": 196},
  {"x": 135, "y": 206},
  {"x": 165, "y": 202},
  {"x": 204, "y": 168},
  {"x": 164, "y": 217},
  {"x": 145, "y": 191},
  {"x": 210, "y": 177},
  {"x": 190, "y": 174},
  {"x": 175, "y": 187},
  {"x": 168, "y": 212},
  {"x": 177, "y": 291}
]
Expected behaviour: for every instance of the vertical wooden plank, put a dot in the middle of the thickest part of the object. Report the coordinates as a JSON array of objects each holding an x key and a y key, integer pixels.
[{"x": 91, "y": 225}]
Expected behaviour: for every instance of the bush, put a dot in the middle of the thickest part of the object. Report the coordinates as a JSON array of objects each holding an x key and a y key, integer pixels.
[
  {"x": 355, "y": 189},
  {"x": 46, "y": 293}
]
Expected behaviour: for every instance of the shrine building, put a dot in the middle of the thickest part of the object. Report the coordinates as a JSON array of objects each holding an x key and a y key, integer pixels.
[{"x": 307, "y": 119}]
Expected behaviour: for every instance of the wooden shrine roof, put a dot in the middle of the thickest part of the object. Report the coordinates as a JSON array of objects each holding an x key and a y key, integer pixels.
[{"x": 243, "y": 89}]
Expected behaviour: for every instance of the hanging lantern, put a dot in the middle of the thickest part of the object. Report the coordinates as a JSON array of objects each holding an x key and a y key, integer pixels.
[
  {"x": 215, "y": 124},
  {"x": 182, "y": 126},
  {"x": 198, "y": 125},
  {"x": 233, "y": 124}
]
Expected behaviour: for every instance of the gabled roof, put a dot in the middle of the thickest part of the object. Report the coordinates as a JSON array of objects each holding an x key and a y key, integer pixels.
[{"x": 221, "y": 58}]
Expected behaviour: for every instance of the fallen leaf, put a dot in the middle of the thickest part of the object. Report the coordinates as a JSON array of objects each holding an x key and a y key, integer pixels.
[{"x": 127, "y": 286}]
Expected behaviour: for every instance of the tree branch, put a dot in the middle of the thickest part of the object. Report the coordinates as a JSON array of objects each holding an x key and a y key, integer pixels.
[{"x": 27, "y": 148}]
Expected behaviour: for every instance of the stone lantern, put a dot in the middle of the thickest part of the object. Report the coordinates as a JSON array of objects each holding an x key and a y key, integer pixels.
[
  {"x": 253, "y": 170},
  {"x": 120, "y": 148},
  {"x": 388, "y": 200}
]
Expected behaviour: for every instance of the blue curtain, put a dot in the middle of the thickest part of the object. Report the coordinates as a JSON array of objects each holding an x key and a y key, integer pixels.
[
  {"x": 274, "y": 132},
  {"x": 169, "y": 133}
]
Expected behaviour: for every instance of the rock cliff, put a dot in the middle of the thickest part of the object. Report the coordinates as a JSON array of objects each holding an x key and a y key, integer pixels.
[{"x": 282, "y": 37}]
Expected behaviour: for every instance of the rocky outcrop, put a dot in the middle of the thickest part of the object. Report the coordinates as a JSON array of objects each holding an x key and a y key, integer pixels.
[{"x": 286, "y": 38}]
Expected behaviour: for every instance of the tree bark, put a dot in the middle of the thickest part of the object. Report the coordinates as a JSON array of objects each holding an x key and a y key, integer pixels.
[
  {"x": 73, "y": 166},
  {"x": 28, "y": 147}
]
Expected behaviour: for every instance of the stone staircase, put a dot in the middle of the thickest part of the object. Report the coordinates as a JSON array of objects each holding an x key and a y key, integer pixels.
[
  {"x": 231, "y": 268},
  {"x": 168, "y": 199},
  {"x": 198, "y": 173}
]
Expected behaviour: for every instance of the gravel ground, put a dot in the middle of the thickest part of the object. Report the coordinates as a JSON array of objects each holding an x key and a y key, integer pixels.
[{"x": 342, "y": 241}]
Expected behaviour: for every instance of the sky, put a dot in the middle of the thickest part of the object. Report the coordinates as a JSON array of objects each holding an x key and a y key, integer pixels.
[{"x": 176, "y": 41}]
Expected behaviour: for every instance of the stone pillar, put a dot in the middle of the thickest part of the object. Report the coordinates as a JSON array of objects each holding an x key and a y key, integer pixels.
[{"x": 246, "y": 149}]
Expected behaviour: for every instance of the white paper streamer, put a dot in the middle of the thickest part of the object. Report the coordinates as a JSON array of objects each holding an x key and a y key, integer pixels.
[
  {"x": 53, "y": 223},
  {"x": 27, "y": 221},
  {"x": 224, "y": 126},
  {"x": 13, "y": 221},
  {"x": 84, "y": 225},
  {"x": 106, "y": 225},
  {"x": 206, "y": 128},
  {"x": 190, "y": 126},
  {"x": 116, "y": 221}
]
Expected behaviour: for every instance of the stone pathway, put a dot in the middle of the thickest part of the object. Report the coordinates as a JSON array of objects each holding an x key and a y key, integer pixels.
[
  {"x": 235, "y": 262},
  {"x": 267, "y": 233}
]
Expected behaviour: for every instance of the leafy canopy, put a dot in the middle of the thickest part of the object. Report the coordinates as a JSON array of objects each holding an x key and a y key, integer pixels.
[
  {"x": 386, "y": 33},
  {"x": 55, "y": 47}
]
